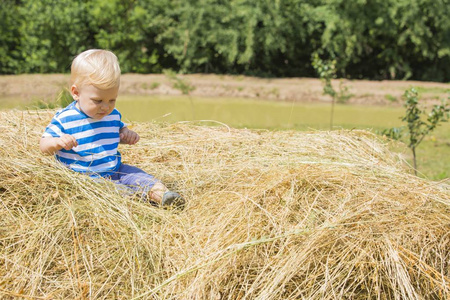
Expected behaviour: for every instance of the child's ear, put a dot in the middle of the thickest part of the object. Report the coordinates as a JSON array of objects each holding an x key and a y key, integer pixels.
[{"x": 74, "y": 92}]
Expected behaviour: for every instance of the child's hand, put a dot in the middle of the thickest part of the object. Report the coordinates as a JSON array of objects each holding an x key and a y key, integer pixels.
[
  {"x": 128, "y": 136},
  {"x": 66, "y": 141}
]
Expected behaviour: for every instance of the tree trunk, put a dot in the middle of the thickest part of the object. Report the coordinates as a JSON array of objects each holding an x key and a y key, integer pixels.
[
  {"x": 414, "y": 160},
  {"x": 332, "y": 114}
]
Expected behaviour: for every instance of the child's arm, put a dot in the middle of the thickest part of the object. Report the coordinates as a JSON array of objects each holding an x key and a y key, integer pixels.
[
  {"x": 49, "y": 145},
  {"x": 128, "y": 136}
]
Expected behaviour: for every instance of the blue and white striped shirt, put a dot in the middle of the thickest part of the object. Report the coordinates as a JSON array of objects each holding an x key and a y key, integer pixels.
[{"x": 96, "y": 153}]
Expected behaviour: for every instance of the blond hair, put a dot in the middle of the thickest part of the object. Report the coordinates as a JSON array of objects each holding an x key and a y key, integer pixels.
[{"x": 97, "y": 67}]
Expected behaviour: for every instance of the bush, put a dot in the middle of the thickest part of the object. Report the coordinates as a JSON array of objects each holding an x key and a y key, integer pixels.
[
  {"x": 418, "y": 127},
  {"x": 377, "y": 39}
]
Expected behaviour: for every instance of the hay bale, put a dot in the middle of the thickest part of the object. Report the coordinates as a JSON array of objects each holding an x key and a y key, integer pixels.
[{"x": 270, "y": 215}]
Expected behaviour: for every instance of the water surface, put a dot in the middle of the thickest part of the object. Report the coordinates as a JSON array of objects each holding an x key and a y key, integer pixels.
[{"x": 256, "y": 113}]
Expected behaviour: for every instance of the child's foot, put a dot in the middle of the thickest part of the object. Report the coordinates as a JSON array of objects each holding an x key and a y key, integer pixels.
[{"x": 172, "y": 199}]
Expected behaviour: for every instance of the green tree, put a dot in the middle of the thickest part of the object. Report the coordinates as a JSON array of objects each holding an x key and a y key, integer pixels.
[
  {"x": 206, "y": 35},
  {"x": 419, "y": 127},
  {"x": 387, "y": 39},
  {"x": 376, "y": 39},
  {"x": 53, "y": 32},
  {"x": 326, "y": 69},
  {"x": 259, "y": 37},
  {"x": 130, "y": 29},
  {"x": 10, "y": 54}
]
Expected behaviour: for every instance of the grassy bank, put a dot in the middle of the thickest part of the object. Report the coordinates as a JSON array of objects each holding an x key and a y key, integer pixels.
[{"x": 270, "y": 215}]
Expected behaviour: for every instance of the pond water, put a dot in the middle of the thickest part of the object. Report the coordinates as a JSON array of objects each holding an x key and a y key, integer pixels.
[{"x": 245, "y": 113}]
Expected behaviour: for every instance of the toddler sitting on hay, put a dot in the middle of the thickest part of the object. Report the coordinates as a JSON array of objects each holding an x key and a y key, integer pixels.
[{"x": 85, "y": 135}]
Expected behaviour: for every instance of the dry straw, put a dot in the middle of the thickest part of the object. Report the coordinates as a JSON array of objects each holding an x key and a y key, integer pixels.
[{"x": 270, "y": 215}]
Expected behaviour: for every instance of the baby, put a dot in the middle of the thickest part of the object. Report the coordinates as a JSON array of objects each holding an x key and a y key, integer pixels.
[{"x": 85, "y": 135}]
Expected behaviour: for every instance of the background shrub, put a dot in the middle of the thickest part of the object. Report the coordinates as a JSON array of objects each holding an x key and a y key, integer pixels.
[{"x": 373, "y": 39}]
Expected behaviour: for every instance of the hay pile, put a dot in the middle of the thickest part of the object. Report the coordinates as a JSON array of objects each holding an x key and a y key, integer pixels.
[{"x": 270, "y": 215}]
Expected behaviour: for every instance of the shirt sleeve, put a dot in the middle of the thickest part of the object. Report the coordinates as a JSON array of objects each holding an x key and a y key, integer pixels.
[
  {"x": 121, "y": 124},
  {"x": 54, "y": 129}
]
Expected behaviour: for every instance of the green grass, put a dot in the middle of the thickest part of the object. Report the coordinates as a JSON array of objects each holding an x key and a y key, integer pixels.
[
  {"x": 433, "y": 90},
  {"x": 390, "y": 98},
  {"x": 9, "y": 102},
  {"x": 433, "y": 154},
  {"x": 151, "y": 86}
]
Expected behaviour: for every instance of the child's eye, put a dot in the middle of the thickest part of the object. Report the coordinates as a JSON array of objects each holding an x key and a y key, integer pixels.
[{"x": 97, "y": 101}]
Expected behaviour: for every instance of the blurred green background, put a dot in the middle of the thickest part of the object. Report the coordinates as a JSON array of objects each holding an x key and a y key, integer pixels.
[{"x": 373, "y": 39}]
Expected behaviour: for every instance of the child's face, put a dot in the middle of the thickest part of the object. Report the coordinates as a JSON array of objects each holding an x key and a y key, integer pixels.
[{"x": 95, "y": 102}]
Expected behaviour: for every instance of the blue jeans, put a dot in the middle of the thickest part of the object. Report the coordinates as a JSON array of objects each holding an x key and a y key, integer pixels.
[{"x": 134, "y": 178}]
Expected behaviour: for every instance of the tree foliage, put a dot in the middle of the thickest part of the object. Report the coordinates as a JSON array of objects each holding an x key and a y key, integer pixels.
[
  {"x": 10, "y": 57},
  {"x": 376, "y": 39},
  {"x": 418, "y": 123},
  {"x": 327, "y": 71}
]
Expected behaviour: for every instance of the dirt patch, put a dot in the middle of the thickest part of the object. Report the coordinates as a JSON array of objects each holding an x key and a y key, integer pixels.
[{"x": 47, "y": 86}]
